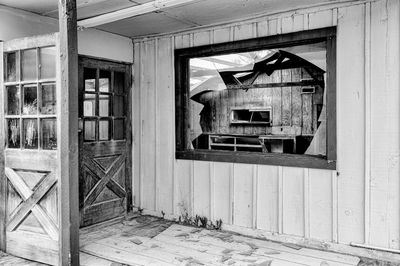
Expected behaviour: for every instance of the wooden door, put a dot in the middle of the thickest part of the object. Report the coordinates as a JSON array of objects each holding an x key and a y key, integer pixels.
[
  {"x": 105, "y": 140},
  {"x": 31, "y": 186}
]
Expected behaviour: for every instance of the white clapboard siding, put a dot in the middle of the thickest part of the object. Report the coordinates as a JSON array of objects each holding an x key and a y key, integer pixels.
[{"x": 359, "y": 202}]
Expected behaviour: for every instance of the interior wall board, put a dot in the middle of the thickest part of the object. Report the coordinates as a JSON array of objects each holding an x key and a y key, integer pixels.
[
  {"x": 148, "y": 96},
  {"x": 320, "y": 204},
  {"x": 15, "y": 23},
  {"x": 384, "y": 182},
  {"x": 350, "y": 113},
  {"x": 102, "y": 44},
  {"x": 164, "y": 123}
]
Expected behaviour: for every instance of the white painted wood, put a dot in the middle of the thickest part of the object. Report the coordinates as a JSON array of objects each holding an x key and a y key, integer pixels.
[
  {"x": 367, "y": 158},
  {"x": 380, "y": 148},
  {"x": 307, "y": 199},
  {"x": 287, "y": 24},
  {"x": 320, "y": 200},
  {"x": 350, "y": 107},
  {"x": 393, "y": 82},
  {"x": 165, "y": 123},
  {"x": 315, "y": 244},
  {"x": 280, "y": 199},
  {"x": 255, "y": 195},
  {"x": 262, "y": 28},
  {"x": 231, "y": 192},
  {"x": 334, "y": 192},
  {"x": 320, "y": 19},
  {"x": 93, "y": 42},
  {"x": 148, "y": 119},
  {"x": 385, "y": 124},
  {"x": 212, "y": 193},
  {"x": 267, "y": 198},
  {"x": 221, "y": 35},
  {"x": 183, "y": 171},
  {"x": 136, "y": 128},
  {"x": 201, "y": 196},
  {"x": 293, "y": 23},
  {"x": 131, "y": 12},
  {"x": 293, "y": 201},
  {"x": 242, "y": 32},
  {"x": 243, "y": 198},
  {"x": 275, "y": 200},
  {"x": 201, "y": 38},
  {"x": 221, "y": 198},
  {"x": 273, "y": 27}
]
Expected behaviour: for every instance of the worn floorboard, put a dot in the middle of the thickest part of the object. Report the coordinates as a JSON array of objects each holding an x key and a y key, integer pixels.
[
  {"x": 152, "y": 241},
  {"x": 145, "y": 240}
]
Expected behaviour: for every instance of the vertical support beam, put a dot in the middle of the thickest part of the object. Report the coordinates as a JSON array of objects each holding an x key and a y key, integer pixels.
[
  {"x": 128, "y": 134},
  {"x": 3, "y": 179},
  {"x": 68, "y": 119}
]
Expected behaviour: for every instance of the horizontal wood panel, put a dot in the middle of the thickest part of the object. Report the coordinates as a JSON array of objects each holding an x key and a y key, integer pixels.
[
  {"x": 34, "y": 247},
  {"x": 31, "y": 160},
  {"x": 102, "y": 148},
  {"x": 102, "y": 212},
  {"x": 30, "y": 42}
]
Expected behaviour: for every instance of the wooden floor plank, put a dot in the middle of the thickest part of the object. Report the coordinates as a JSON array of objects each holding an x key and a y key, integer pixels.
[
  {"x": 90, "y": 260},
  {"x": 306, "y": 256},
  {"x": 237, "y": 251},
  {"x": 118, "y": 255},
  {"x": 161, "y": 251},
  {"x": 153, "y": 241}
]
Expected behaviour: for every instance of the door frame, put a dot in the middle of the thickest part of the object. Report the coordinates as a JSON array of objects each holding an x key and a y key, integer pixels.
[{"x": 96, "y": 62}]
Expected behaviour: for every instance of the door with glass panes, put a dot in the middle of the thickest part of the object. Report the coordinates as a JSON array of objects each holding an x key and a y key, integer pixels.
[
  {"x": 32, "y": 185},
  {"x": 105, "y": 140}
]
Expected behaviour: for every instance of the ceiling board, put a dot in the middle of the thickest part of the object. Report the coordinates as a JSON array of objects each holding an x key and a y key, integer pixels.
[
  {"x": 196, "y": 13},
  {"x": 212, "y": 12},
  {"x": 152, "y": 23},
  {"x": 86, "y": 8},
  {"x": 35, "y": 6},
  {"x": 141, "y": 1},
  {"x": 97, "y": 7}
]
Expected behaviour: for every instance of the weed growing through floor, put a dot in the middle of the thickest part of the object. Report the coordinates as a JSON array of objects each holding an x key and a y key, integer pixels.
[{"x": 198, "y": 221}]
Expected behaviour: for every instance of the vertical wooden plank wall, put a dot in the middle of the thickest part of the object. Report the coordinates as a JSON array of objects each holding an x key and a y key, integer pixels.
[
  {"x": 384, "y": 182},
  {"x": 357, "y": 203},
  {"x": 350, "y": 123}
]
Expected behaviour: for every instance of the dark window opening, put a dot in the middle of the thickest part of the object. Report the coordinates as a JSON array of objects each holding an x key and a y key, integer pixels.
[{"x": 265, "y": 97}]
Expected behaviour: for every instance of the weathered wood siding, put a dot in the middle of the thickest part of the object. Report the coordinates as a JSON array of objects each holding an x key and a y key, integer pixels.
[
  {"x": 360, "y": 202},
  {"x": 283, "y": 101}
]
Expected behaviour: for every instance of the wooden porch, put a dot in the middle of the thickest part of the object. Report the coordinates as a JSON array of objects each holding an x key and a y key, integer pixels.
[{"x": 145, "y": 240}]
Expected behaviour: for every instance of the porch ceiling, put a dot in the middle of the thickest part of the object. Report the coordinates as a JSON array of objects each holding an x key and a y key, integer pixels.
[{"x": 188, "y": 15}]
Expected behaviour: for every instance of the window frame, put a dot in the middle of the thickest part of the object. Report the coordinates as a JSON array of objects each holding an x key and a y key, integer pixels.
[
  {"x": 182, "y": 103},
  {"x": 38, "y": 82}
]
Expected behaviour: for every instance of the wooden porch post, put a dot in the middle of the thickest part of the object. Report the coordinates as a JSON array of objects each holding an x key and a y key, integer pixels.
[
  {"x": 69, "y": 231},
  {"x": 3, "y": 179}
]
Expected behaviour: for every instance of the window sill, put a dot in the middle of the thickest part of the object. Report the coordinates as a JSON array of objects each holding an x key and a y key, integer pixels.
[{"x": 293, "y": 160}]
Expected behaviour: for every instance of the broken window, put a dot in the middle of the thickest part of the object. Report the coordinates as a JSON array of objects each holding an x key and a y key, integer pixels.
[
  {"x": 270, "y": 100},
  {"x": 31, "y": 99}
]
